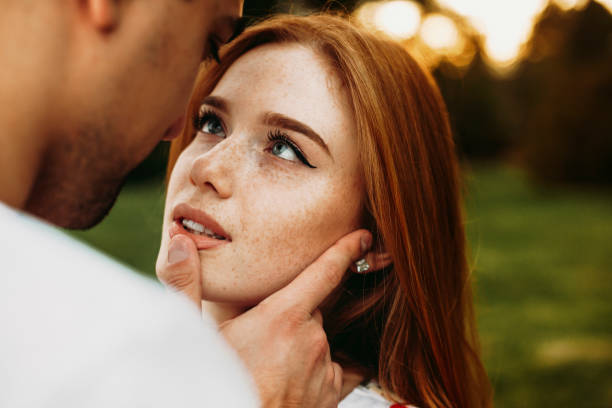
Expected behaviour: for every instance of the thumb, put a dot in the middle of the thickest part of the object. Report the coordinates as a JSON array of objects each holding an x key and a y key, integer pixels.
[
  {"x": 181, "y": 270},
  {"x": 310, "y": 288}
]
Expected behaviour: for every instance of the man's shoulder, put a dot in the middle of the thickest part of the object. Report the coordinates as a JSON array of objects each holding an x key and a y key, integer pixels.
[
  {"x": 50, "y": 265},
  {"x": 46, "y": 272},
  {"x": 26, "y": 242},
  {"x": 57, "y": 287},
  {"x": 70, "y": 315}
]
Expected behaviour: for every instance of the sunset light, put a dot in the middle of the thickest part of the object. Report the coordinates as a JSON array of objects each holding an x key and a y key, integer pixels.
[
  {"x": 400, "y": 19},
  {"x": 571, "y": 4},
  {"x": 439, "y": 33},
  {"x": 607, "y": 4},
  {"x": 503, "y": 26}
]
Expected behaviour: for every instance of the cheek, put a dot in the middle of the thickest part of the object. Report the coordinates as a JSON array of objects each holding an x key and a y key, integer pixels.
[{"x": 288, "y": 228}]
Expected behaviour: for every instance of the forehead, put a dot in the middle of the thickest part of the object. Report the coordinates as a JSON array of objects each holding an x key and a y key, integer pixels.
[
  {"x": 209, "y": 13},
  {"x": 289, "y": 79},
  {"x": 219, "y": 5}
]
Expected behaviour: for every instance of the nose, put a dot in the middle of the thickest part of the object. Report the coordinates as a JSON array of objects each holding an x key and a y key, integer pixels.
[{"x": 216, "y": 168}]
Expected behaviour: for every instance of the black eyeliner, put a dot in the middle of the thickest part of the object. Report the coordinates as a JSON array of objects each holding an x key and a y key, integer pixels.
[{"x": 278, "y": 136}]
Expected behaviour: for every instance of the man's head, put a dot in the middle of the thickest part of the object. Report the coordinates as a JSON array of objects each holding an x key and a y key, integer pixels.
[{"x": 124, "y": 76}]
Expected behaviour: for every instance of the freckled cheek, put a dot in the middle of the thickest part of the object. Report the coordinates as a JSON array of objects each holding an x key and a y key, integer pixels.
[
  {"x": 276, "y": 232},
  {"x": 285, "y": 231}
]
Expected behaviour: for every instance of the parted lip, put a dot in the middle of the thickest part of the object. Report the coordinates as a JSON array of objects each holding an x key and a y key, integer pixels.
[{"x": 182, "y": 211}]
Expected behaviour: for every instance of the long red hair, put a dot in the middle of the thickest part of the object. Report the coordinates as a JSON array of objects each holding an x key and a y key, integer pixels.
[{"x": 410, "y": 326}]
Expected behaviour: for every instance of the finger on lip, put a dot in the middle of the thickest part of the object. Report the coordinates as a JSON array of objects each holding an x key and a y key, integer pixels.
[
  {"x": 201, "y": 241},
  {"x": 178, "y": 249}
]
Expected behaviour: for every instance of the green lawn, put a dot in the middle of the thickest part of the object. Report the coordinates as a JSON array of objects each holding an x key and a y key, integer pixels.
[{"x": 542, "y": 266}]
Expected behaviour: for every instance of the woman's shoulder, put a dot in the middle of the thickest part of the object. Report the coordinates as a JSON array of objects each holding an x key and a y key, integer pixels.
[{"x": 368, "y": 396}]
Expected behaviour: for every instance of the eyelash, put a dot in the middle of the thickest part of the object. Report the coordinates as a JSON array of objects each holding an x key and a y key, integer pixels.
[
  {"x": 199, "y": 119},
  {"x": 276, "y": 135}
]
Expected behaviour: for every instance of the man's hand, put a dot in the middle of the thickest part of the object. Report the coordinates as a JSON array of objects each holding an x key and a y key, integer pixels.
[{"x": 281, "y": 341}]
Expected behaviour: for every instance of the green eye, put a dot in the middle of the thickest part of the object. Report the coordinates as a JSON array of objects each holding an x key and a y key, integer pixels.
[
  {"x": 212, "y": 126},
  {"x": 208, "y": 122},
  {"x": 284, "y": 151}
]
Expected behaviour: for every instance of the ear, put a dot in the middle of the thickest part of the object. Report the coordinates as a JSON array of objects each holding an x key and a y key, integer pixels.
[
  {"x": 103, "y": 14},
  {"x": 377, "y": 261}
]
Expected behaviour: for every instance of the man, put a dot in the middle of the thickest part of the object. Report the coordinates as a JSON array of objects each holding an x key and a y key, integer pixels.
[{"x": 88, "y": 88}]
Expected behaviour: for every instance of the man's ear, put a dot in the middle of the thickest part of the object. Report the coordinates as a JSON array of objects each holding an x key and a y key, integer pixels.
[{"x": 103, "y": 14}]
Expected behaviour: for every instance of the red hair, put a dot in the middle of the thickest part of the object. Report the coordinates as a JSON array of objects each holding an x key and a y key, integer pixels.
[{"x": 410, "y": 326}]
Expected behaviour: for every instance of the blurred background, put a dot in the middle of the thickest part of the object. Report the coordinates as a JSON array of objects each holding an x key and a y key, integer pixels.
[{"x": 528, "y": 85}]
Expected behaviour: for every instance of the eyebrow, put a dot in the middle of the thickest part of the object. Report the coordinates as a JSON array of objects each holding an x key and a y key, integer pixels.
[
  {"x": 215, "y": 102},
  {"x": 285, "y": 122},
  {"x": 274, "y": 119}
]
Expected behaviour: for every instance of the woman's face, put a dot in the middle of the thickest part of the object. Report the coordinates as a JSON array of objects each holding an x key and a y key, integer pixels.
[{"x": 274, "y": 170}]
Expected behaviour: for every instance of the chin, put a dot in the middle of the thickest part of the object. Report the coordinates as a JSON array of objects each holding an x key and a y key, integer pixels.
[
  {"x": 90, "y": 218},
  {"x": 220, "y": 290},
  {"x": 239, "y": 291},
  {"x": 73, "y": 210},
  {"x": 218, "y": 295}
]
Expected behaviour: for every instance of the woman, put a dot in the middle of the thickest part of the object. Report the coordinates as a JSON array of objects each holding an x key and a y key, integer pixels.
[{"x": 309, "y": 128}]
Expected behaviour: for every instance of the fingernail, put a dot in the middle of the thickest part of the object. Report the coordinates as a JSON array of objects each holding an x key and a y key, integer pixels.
[
  {"x": 366, "y": 242},
  {"x": 177, "y": 252}
]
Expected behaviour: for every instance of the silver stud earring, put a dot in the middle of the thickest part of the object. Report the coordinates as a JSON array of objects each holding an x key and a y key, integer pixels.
[{"x": 362, "y": 265}]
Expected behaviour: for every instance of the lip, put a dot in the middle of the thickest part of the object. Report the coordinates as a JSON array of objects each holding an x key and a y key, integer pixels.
[
  {"x": 175, "y": 129},
  {"x": 202, "y": 241}
]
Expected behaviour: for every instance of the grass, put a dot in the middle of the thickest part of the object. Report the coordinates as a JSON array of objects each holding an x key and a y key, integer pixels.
[{"x": 542, "y": 265}]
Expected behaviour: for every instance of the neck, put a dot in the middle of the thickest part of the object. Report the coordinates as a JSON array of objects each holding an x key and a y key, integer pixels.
[
  {"x": 350, "y": 380},
  {"x": 21, "y": 152},
  {"x": 222, "y": 312},
  {"x": 25, "y": 83}
]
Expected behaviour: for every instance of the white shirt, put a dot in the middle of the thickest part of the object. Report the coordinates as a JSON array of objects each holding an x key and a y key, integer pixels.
[
  {"x": 80, "y": 330},
  {"x": 362, "y": 397},
  {"x": 368, "y": 396}
]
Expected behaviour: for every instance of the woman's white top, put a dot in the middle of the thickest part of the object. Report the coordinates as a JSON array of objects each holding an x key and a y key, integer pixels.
[
  {"x": 79, "y": 330},
  {"x": 368, "y": 396}
]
